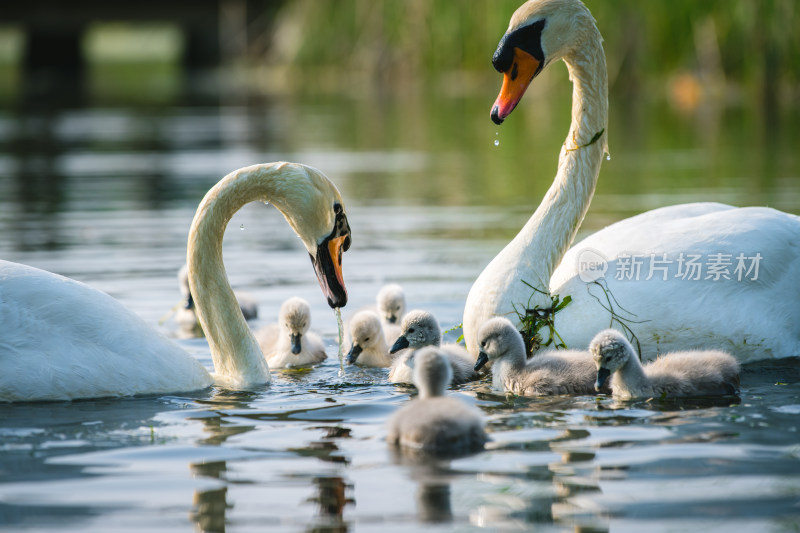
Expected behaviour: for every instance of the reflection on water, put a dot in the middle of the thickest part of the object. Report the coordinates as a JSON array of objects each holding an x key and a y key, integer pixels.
[{"x": 106, "y": 195}]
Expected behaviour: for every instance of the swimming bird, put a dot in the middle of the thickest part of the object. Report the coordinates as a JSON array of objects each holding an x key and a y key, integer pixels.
[
  {"x": 289, "y": 343},
  {"x": 676, "y": 374},
  {"x": 434, "y": 423},
  {"x": 63, "y": 340},
  {"x": 185, "y": 316},
  {"x": 546, "y": 373},
  {"x": 369, "y": 346},
  {"x": 753, "y": 253},
  {"x": 391, "y": 301},
  {"x": 419, "y": 329}
]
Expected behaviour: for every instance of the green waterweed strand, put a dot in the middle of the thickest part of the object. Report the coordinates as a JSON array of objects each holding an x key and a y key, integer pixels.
[
  {"x": 611, "y": 304},
  {"x": 533, "y": 320},
  {"x": 591, "y": 142}
]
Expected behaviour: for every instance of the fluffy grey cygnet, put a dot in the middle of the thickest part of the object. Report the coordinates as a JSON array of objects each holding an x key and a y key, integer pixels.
[
  {"x": 676, "y": 374},
  {"x": 289, "y": 343},
  {"x": 435, "y": 423},
  {"x": 369, "y": 346},
  {"x": 546, "y": 373},
  {"x": 418, "y": 330}
]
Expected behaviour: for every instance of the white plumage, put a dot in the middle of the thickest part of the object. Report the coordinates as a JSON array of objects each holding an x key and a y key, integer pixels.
[
  {"x": 63, "y": 340},
  {"x": 369, "y": 346},
  {"x": 290, "y": 343},
  {"x": 750, "y": 309},
  {"x": 391, "y": 301}
]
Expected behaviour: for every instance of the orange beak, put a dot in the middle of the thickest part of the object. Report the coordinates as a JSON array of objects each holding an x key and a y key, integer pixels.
[
  {"x": 335, "y": 249},
  {"x": 515, "y": 81},
  {"x": 328, "y": 266}
]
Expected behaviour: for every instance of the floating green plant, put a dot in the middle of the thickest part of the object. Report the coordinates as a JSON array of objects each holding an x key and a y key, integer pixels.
[{"x": 533, "y": 320}]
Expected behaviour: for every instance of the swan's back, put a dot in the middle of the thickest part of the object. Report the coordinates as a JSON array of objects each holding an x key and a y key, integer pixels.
[
  {"x": 461, "y": 362},
  {"x": 554, "y": 372},
  {"x": 64, "y": 340},
  {"x": 434, "y": 423},
  {"x": 676, "y": 374},
  {"x": 694, "y": 373},
  {"x": 440, "y": 425}
]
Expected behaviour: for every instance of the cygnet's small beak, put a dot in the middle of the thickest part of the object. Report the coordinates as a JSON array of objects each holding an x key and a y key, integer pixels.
[
  {"x": 296, "y": 347},
  {"x": 482, "y": 360},
  {"x": 399, "y": 344},
  {"x": 602, "y": 376},
  {"x": 353, "y": 354},
  {"x": 189, "y": 303},
  {"x": 392, "y": 319}
]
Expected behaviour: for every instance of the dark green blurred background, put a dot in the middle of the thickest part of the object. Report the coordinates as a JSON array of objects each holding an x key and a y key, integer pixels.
[{"x": 704, "y": 95}]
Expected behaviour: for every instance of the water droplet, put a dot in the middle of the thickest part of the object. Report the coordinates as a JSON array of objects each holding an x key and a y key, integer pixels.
[
  {"x": 496, "y": 142},
  {"x": 241, "y": 227},
  {"x": 608, "y": 156},
  {"x": 266, "y": 203}
]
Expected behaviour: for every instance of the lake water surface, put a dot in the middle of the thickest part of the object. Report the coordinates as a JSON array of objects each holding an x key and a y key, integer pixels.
[{"x": 106, "y": 194}]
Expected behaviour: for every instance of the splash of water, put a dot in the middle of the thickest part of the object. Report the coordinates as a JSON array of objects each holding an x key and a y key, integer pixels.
[
  {"x": 241, "y": 227},
  {"x": 338, "y": 311}
]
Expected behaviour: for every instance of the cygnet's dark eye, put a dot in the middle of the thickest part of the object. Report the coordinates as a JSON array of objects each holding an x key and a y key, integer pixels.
[
  {"x": 366, "y": 340},
  {"x": 411, "y": 330},
  {"x": 483, "y": 344},
  {"x": 607, "y": 359}
]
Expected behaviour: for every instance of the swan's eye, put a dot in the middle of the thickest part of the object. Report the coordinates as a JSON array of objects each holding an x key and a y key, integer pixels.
[
  {"x": 607, "y": 359},
  {"x": 366, "y": 340},
  {"x": 411, "y": 330}
]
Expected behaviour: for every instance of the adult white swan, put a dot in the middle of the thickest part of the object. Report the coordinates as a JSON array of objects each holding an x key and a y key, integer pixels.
[
  {"x": 706, "y": 273},
  {"x": 62, "y": 340}
]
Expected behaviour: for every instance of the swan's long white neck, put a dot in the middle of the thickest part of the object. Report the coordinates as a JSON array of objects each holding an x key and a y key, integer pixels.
[
  {"x": 237, "y": 357},
  {"x": 551, "y": 229},
  {"x": 538, "y": 248}
]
